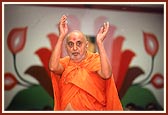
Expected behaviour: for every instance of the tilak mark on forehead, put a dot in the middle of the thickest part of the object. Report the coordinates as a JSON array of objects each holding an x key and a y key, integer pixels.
[{"x": 74, "y": 39}]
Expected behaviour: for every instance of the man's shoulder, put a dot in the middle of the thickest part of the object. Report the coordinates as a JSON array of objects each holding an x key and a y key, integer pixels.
[
  {"x": 96, "y": 54},
  {"x": 93, "y": 56},
  {"x": 65, "y": 59}
]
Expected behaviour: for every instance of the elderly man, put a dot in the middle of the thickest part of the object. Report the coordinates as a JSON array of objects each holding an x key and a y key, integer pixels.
[{"x": 82, "y": 80}]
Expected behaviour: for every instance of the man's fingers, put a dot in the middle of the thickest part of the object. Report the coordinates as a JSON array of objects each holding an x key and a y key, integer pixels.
[
  {"x": 64, "y": 16},
  {"x": 63, "y": 20},
  {"x": 108, "y": 24}
]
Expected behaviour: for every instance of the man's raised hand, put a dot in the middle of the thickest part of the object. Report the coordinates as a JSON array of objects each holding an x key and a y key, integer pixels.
[
  {"x": 63, "y": 26},
  {"x": 102, "y": 32}
]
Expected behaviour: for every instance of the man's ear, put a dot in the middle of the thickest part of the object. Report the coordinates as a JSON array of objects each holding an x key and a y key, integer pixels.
[
  {"x": 87, "y": 44},
  {"x": 66, "y": 46}
]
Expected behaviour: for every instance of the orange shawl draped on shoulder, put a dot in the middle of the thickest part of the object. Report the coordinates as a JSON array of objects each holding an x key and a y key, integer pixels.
[{"x": 83, "y": 88}]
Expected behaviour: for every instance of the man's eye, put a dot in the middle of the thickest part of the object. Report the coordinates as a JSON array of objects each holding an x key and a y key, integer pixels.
[
  {"x": 79, "y": 43},
  {"x": 70, "y": 44}
]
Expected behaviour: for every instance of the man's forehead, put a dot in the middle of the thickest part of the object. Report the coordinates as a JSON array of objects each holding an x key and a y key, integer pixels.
[
  {"x": 76, "y": 36},
  {"x": 74, "y": 39}
]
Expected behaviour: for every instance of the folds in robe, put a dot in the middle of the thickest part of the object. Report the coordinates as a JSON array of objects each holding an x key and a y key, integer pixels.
[{"x": 83, "y": 88}]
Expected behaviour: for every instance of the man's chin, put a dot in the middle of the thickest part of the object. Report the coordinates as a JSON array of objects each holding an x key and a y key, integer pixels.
[{"x": 77, "y": 58}]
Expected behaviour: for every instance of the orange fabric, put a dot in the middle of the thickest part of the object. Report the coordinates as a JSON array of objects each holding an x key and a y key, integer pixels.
[{"x": 81, "y": 86}]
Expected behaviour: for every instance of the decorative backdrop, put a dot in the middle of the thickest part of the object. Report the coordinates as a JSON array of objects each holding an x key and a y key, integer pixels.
[{"x": 134, "y": 44}]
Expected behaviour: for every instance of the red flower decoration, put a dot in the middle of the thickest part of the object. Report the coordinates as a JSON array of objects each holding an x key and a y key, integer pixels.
[
  {"x": 157, "y": 81},
  {"x": 45, "y": 53},
  {"x": 10, "y": 81},
  {"x": 151, "y": 43},
  {"x": 16, "y": 39},
  {"x": 120, "y": 61},
  {"x": 53, "y": 39}
]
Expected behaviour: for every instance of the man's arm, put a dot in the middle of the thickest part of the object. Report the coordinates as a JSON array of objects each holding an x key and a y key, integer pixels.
[
  {"x": 54, "y": 64},
  {"x": 106, "y": 69}
]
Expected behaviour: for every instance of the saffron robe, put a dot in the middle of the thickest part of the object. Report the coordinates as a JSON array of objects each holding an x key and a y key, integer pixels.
[{"x": 83, "y": 88}]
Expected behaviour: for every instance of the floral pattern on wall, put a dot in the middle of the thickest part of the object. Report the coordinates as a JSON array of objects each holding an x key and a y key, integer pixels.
[{"x": 40, "y": 96}]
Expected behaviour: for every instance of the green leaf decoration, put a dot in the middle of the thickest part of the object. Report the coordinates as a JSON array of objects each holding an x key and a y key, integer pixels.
[
  {"x": 32, "y": 98},
  {"x": 141, "y": 97},
  {"x": 132, "y": 73},
  {"x": 40, "y": 74}
]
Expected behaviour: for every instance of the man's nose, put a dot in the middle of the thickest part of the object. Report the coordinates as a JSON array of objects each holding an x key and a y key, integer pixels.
[{"x": 74, "y": 47}]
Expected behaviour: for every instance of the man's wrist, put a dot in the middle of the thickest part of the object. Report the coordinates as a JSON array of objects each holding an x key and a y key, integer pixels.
[
  {"x": 99, "y": 43},
  {"x": 61, "y": 36}
]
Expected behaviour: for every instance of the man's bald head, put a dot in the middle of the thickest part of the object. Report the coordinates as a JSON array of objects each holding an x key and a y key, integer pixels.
[
  {"x": 76, "y": 34},
  {"x": 76, "y": 45}
]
